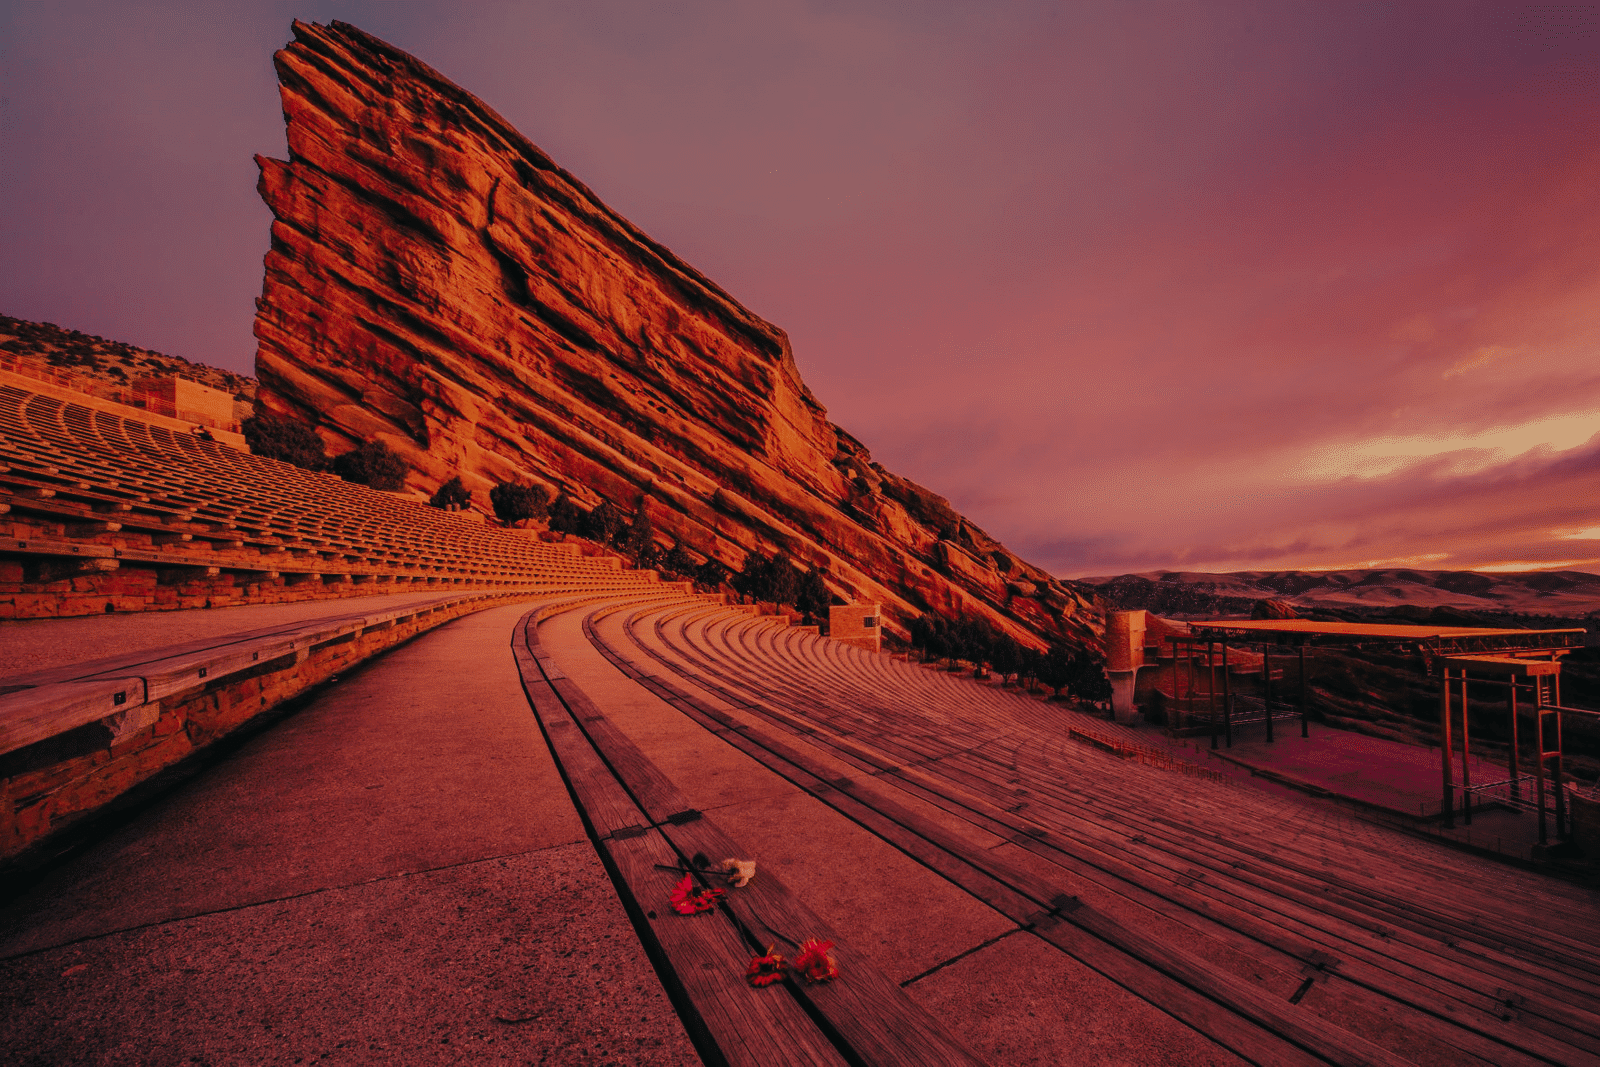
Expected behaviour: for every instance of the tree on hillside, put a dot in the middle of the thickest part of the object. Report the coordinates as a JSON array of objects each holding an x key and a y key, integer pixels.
[
  {"x": 604, "y": 524},
  {"x": 1005, "y": 655},
  {"x": 710, "y": 575},
  {"x": 374, "y": 465},
  {"x": 917, "y": 633},
  {"x": 1056, "y": 668},
  {"x": 451, "y": 494},
  {"x": 676, "y": 560},
  {"x": 1088, "y": 681},
  {"x": 638, "y": 541},
  {"x": 976, "y": 641},
  {"x": 1028, "y": 672},
  {"x": 515, "y": 501},
  {"x": 783, "y": 581},
  {"x": 753, "y": 576},
  {"x": 813, "y": 597},
  {"x": 285, "y": 440},
  {"x": 566, "y": 517}
]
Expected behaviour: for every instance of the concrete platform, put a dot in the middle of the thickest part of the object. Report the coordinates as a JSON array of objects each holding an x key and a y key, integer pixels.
[
  {"x": 1396, "y": 782},
  {"x": 394, "y": 874}
]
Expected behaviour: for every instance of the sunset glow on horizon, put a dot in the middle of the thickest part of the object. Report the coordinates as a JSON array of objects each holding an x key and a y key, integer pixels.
[{"x": 1169, "y": 286}]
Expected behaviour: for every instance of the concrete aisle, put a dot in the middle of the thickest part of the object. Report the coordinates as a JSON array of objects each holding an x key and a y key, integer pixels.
[
  {"x": 1010, "y": 996},
  {"x": 395, "y": 874}
]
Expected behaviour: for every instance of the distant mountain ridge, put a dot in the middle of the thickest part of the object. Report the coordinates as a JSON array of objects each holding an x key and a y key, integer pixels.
[
  {"x": 1563, "y": 594},
  {"x": 101, "y": 366}
]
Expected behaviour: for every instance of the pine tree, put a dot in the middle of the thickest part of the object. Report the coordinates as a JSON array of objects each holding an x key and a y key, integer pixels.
[{"x": 566, "y": 517}]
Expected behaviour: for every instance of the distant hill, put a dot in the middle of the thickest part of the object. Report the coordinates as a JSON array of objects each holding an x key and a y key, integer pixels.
[
  {"x": 1356, "y": 593},
  {"x": 102, "y": 367}
]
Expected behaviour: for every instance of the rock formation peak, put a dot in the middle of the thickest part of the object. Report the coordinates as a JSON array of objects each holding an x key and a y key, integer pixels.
[{"x": 437, "y": 282}]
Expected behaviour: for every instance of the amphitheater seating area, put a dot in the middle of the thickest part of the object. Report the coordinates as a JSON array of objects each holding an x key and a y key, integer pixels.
[
  {"x": 1280, "y": 930},
  {"x": 1319, "y": 936},
  {"x": 84, "y": 493}
]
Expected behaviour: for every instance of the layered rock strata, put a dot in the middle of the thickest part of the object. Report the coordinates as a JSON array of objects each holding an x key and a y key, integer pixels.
[{"x": 437, "y": 282}]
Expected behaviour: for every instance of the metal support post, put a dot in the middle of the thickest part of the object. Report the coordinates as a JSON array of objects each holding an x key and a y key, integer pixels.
[
  {"x": 1466, "y": 753},
  {"x": 1188, "y": 650},
  {"x": 1305, "y": 723},
  {"x": 1227, "y": 698},
  {"x": 1516, "y": 786},
  {"x": 1538, "y": 752},
  {"x": 1266, "y": 689},
  {"x": 1562, "y": 828},
  {"x": 1447, "y": 806},
  {"x": 1211, "y": 687}
]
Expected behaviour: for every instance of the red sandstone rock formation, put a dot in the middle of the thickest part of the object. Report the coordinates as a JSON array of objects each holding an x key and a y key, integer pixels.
[{"x": 437, "y": 282}]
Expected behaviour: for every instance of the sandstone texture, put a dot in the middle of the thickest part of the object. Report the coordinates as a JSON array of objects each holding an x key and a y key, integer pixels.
[{"x": 437, "y": 282}]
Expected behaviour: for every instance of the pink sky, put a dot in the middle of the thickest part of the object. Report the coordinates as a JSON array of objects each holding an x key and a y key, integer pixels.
[{"x": 1200, "y": 286}]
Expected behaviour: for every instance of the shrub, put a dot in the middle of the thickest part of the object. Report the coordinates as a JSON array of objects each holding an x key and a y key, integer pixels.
[
  {"x": 451, "y": 494},
  {"x": 813, "y": 597},
  {"x": 515, "y": 501},
  {"x": 1056, "y": 668},
  {"x": 566, "y": 517},
  {"x": 1005, "y": 656},
  {"x": 638, "y": 541},
  {"x": 677, "y": 561},
  {"x": 710, "y": 575},
  {"x": 285, "y": 440},
  {"x": 372, "y": 465},
  {"x": 604, "y": 524}
]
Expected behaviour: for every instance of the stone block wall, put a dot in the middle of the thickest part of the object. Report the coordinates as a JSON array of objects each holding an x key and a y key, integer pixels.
[{"x": 856, "y": 624}]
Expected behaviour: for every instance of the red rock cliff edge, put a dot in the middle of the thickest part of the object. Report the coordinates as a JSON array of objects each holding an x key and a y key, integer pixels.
[{"x": 436, "y": 282}]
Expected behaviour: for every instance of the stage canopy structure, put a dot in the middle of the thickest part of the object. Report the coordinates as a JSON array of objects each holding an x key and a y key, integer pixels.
[{"x": 1524, "y": 663}]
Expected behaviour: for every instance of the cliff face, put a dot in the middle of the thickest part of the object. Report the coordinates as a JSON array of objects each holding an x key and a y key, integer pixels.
[{"x": 437, "y": 282}]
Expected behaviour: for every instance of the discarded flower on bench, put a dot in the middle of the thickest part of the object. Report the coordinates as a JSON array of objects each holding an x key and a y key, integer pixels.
[
  {"x": 813, "y": 963},
  {"x": 685, "y": 901},
  {"x": 764, "y": 970},
  {"x": 739, "y": 872}
]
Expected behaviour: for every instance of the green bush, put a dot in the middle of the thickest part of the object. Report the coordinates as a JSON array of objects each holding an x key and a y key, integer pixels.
[
  {"x": 677, "y": 561},
  {"x": 514, "y": 501},
  {"x": 638, "y": 541},
  {"x": 604, "y": 524},
  {"x": 710, "y": 575},
  {"x": 374, "y": 465},
  {"x": 451, "y": 493},
  {"x": 285, "y": 440},
  {"x": 566, "y": 517}
]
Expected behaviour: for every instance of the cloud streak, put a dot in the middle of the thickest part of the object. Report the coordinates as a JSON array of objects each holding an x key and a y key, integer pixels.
[{"x": 1198, "y": 285}]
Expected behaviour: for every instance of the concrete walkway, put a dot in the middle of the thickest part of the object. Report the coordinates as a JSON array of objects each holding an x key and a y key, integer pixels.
[{"x": 394, "y": 874}]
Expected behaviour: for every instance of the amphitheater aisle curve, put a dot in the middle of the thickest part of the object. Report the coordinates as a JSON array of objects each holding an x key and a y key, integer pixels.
[{"x": 394, "y": 873}]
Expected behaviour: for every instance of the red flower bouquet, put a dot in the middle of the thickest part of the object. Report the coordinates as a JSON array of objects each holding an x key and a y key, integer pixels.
[
  {"x": 814, "y": 963},
  {"x": 685, "y": 901},
  {"x": 764, "y": 970}
]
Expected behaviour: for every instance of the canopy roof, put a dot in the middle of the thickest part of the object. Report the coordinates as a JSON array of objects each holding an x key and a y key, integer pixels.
[{"x": 1308, "y": 631}]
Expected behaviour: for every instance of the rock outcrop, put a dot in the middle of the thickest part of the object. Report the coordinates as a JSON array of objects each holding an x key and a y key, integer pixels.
[{"x": 437, "y": 282}]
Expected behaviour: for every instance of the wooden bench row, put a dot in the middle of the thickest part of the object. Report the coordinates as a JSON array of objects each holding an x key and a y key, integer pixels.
[
  {"x": 810, "y": 701},
  {"x": 66, "y": 458},
  {"x": 641, "y": 823}
]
